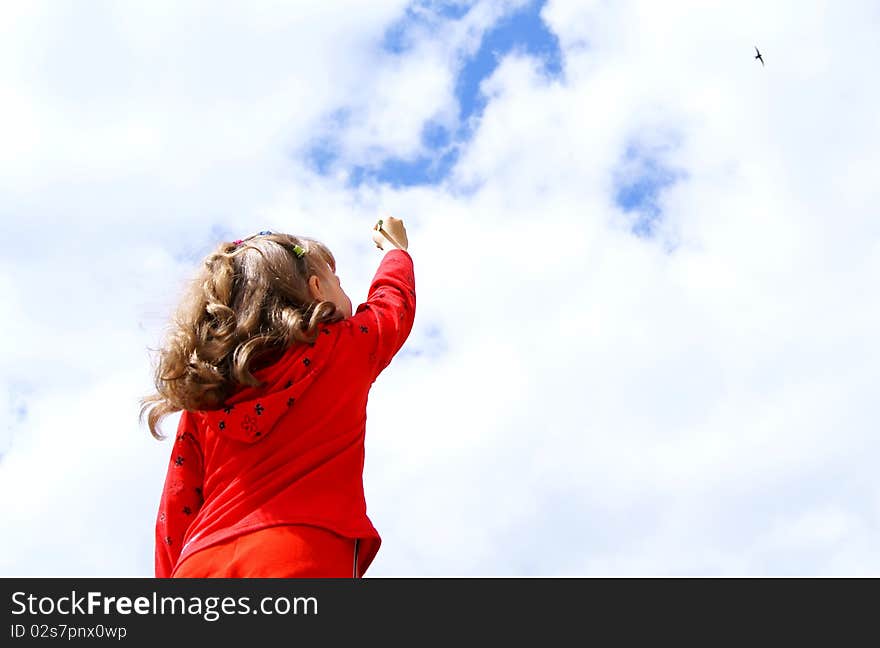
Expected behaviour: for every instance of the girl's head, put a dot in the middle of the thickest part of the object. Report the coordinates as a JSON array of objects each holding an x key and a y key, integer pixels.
[{"x": 249, "y": 298}]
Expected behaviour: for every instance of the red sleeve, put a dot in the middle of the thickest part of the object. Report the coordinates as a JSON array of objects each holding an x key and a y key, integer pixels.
[
  {"x": 385, "y": 320},
  {"x": 181, "y": 496}
]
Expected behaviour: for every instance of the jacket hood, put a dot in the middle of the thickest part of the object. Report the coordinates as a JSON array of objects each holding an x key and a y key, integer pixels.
[{"x": 251, "y": 413}]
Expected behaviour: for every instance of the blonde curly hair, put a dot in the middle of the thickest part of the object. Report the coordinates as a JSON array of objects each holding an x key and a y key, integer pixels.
[{"x": 249, "y": 298}]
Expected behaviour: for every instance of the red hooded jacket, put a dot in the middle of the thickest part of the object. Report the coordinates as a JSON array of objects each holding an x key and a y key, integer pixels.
[{"x": 291, "y": 451}]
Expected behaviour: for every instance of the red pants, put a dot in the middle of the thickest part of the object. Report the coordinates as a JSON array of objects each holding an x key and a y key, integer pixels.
[{"x": 285, "y": 551}]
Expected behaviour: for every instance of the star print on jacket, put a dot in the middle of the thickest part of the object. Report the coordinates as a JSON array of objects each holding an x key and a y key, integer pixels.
[
  {"x": 180, "y": 496},
  {"x": 292, "y": 450}
]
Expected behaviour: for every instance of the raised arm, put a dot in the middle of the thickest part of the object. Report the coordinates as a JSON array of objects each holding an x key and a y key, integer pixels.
[
  {"x": 386, "y": 318},
  {"x": 380, "y": 325}
]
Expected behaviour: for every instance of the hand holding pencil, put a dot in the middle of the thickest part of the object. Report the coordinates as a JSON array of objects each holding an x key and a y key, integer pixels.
[{"x": 390, "y": 231}]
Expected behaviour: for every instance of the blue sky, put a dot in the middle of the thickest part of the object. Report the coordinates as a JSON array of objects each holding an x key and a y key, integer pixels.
[
  {"x": 640, "y": 178},
  {"x": 521, "y": 31},
  {"x": 642, "y": 173}
]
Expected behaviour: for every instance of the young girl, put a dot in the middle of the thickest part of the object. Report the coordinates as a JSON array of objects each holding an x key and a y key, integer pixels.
[{"x": 271, "y": 371}]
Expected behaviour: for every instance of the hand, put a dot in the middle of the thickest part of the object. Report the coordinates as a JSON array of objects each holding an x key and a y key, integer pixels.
[{"x": 390, "y": 231}]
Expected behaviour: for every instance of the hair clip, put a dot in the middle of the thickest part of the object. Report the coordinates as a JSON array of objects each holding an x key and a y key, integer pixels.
[
  {"x": 238, "y": 242},
  {"x": 298, "y": 251}
]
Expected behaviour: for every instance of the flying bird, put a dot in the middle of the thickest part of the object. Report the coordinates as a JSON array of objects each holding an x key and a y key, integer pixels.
[{"x": 759, "y": 57}]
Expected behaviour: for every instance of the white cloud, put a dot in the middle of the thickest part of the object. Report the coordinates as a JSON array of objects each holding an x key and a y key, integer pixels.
[{"x": 701, "y": 402}]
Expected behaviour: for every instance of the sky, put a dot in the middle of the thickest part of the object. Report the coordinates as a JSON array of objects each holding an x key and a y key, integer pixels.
[{"x": 647, "y": 267}]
